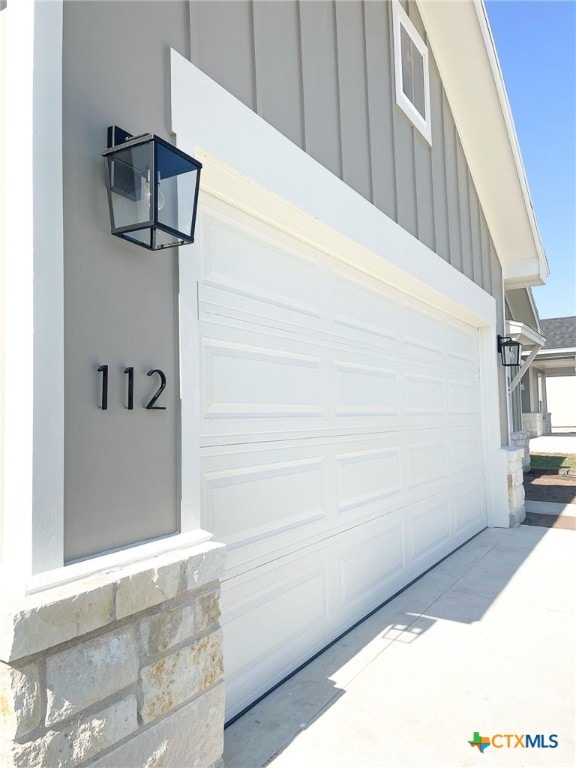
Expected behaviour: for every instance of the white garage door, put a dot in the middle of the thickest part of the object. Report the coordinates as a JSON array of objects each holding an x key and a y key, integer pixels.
[{"x": 341, "y": 442}]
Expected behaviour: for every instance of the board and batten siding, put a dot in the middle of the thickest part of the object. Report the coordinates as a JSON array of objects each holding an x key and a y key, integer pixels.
[{"x": 321, "y": 72}]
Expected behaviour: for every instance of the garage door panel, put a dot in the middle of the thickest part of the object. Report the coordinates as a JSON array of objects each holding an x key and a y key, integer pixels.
[
  {"x": 462, "y": 344},
  {"x": 340, "y": 441},
  {"x": 266, "y": 501},
  {"x": 243, "y": 381},
  {"x": 467, "y": 514},
  {"x": 422, "y": 330},
  {"x": 259, "y": 381},
  {"x": 366, "y": 477},
  {"x": 236, "y": 272},
  {"x": 364, "y": 390},
  {"x": 465, "y": 455},
  {"x": 361, "y": 311},
  {"x": 369, "y": 565},
  {"x": 424, "y": 394},
  {"x": 249, "y": 504},
  {"x": 427, "y": 464},
  {"x": 430, "y": 531},
  {"x": 263, "y": 637}
]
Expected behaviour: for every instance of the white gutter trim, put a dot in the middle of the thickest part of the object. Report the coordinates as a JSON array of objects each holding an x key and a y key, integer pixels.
[
  {"x": 517, "y": 330},
  {"x": 559, "y": 352},
  {"x": 461, "y": 42},
  {"x": 510, "y": 127}
]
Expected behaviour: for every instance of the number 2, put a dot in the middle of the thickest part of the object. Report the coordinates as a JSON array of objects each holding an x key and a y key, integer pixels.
[{"x": 156, "y": 395}]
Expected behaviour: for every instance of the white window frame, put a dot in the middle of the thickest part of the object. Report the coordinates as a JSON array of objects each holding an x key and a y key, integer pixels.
[{"x": 401, "y": 20}]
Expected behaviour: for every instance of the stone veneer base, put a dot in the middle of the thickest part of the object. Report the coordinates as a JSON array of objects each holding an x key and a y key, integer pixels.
[
  {"x": 515, "y": 477},
  {"x": 122, "y": 668}
]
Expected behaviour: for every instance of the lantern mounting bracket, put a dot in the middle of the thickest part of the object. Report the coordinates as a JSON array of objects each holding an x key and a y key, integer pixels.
[{"x": 117, "y": 136}]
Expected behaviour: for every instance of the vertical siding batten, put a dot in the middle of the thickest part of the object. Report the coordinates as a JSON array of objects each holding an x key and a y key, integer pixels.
[
  {"x": 423, "y": 159},
  {"x": 380, "y": 87},
  {"x": 463, "y": 192},
  {"x": 424, "y": 193},
  {"x": 226, "y": 46},
  {"x": 452, "y": 186},
  {"x": 277, "y": 59},
  {"x": 320, "y": 78},
  {"x": 475, "y": 233},
  {"x": 356, "y": 171},
  {"x": 485, "y": 241},
  {"x": 439, "y": 195}
]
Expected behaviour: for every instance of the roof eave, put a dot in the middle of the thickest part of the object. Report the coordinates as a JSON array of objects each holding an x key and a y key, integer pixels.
[{"x": 462, "y": 43}]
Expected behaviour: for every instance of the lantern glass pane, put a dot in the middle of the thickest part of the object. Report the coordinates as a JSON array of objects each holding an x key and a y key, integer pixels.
[
  {"x": 511, "y": 354},
  {"x": 130, "y": 192},
  {"x": 166, "y": 239},
  {"x": 140, "y": 236},
  {"x": 177, "y": 179}
]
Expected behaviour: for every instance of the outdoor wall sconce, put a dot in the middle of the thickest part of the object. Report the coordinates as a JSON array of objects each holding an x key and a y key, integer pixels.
[
  {"x": 510, "y": 351},
  {"x": 152, "y": 190}
]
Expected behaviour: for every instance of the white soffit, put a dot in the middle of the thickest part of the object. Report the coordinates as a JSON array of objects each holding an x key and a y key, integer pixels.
[
  {"x": 460, "y": 37},
  {"x": 250, "y": 164}
]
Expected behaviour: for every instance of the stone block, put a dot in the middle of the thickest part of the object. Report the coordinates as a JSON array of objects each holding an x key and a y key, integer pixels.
[
  {"x": 205, "y": 567},
  {"x": 171, "y": 575},
  {"x": 192, "y": 737},
  {"x": 89, "y": 672},
  {"x": 80, "y": 741},
  {"x": 164, "y": 630},
  {"x": 207, "y": 608},
  {"x": 20, "y": 705},
  {"x": 175, "y": 678},
  {"x": 32, "y": 624},
  {"x": 145, "y": 589}
]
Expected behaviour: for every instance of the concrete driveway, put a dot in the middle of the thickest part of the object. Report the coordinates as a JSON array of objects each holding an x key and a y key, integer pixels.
[{"x": 482, "y": 644}]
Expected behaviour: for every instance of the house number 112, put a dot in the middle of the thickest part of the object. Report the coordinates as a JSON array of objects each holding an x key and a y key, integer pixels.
[{"x": 129, "y": 372}]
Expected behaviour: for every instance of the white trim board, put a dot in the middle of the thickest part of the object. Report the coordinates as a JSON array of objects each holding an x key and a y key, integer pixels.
[
  {"x": 34, "y": 292},
  {"x": 206, "y": 117}
]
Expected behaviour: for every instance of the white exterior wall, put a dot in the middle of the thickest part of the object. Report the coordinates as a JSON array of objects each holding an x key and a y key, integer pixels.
[{"x": 561, "y": 396}]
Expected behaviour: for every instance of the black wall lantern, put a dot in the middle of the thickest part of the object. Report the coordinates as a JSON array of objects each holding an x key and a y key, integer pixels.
[
  {"x": 510, "y": 351},
  {"x": 152, "y": 190}
]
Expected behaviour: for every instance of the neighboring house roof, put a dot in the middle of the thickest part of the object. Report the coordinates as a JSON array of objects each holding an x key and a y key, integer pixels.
[
  {"x": 560, "y": 333},
  {"x": 460, "y": 37}
]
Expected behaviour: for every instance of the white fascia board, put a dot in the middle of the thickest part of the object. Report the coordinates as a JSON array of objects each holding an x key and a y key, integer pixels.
[
  {"x": 260, "y": 170},
  {"x": 522, "y": 273},
  {"x": 460, "y": 38},
  {"x": 560, "y": 352},
  {"x": 523, "y": 333}
]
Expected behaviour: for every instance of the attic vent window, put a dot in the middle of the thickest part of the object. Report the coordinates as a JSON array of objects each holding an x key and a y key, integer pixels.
[{"x": 411, "y": 72}]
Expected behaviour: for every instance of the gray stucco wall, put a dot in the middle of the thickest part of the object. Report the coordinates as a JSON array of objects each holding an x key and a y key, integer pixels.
[
  {"x": 121, "y": 481},
  {"x": 321, "y": 73}
]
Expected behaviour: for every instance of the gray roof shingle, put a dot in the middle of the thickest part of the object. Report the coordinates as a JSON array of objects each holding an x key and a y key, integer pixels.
[{"x": 559, "y": 332}]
